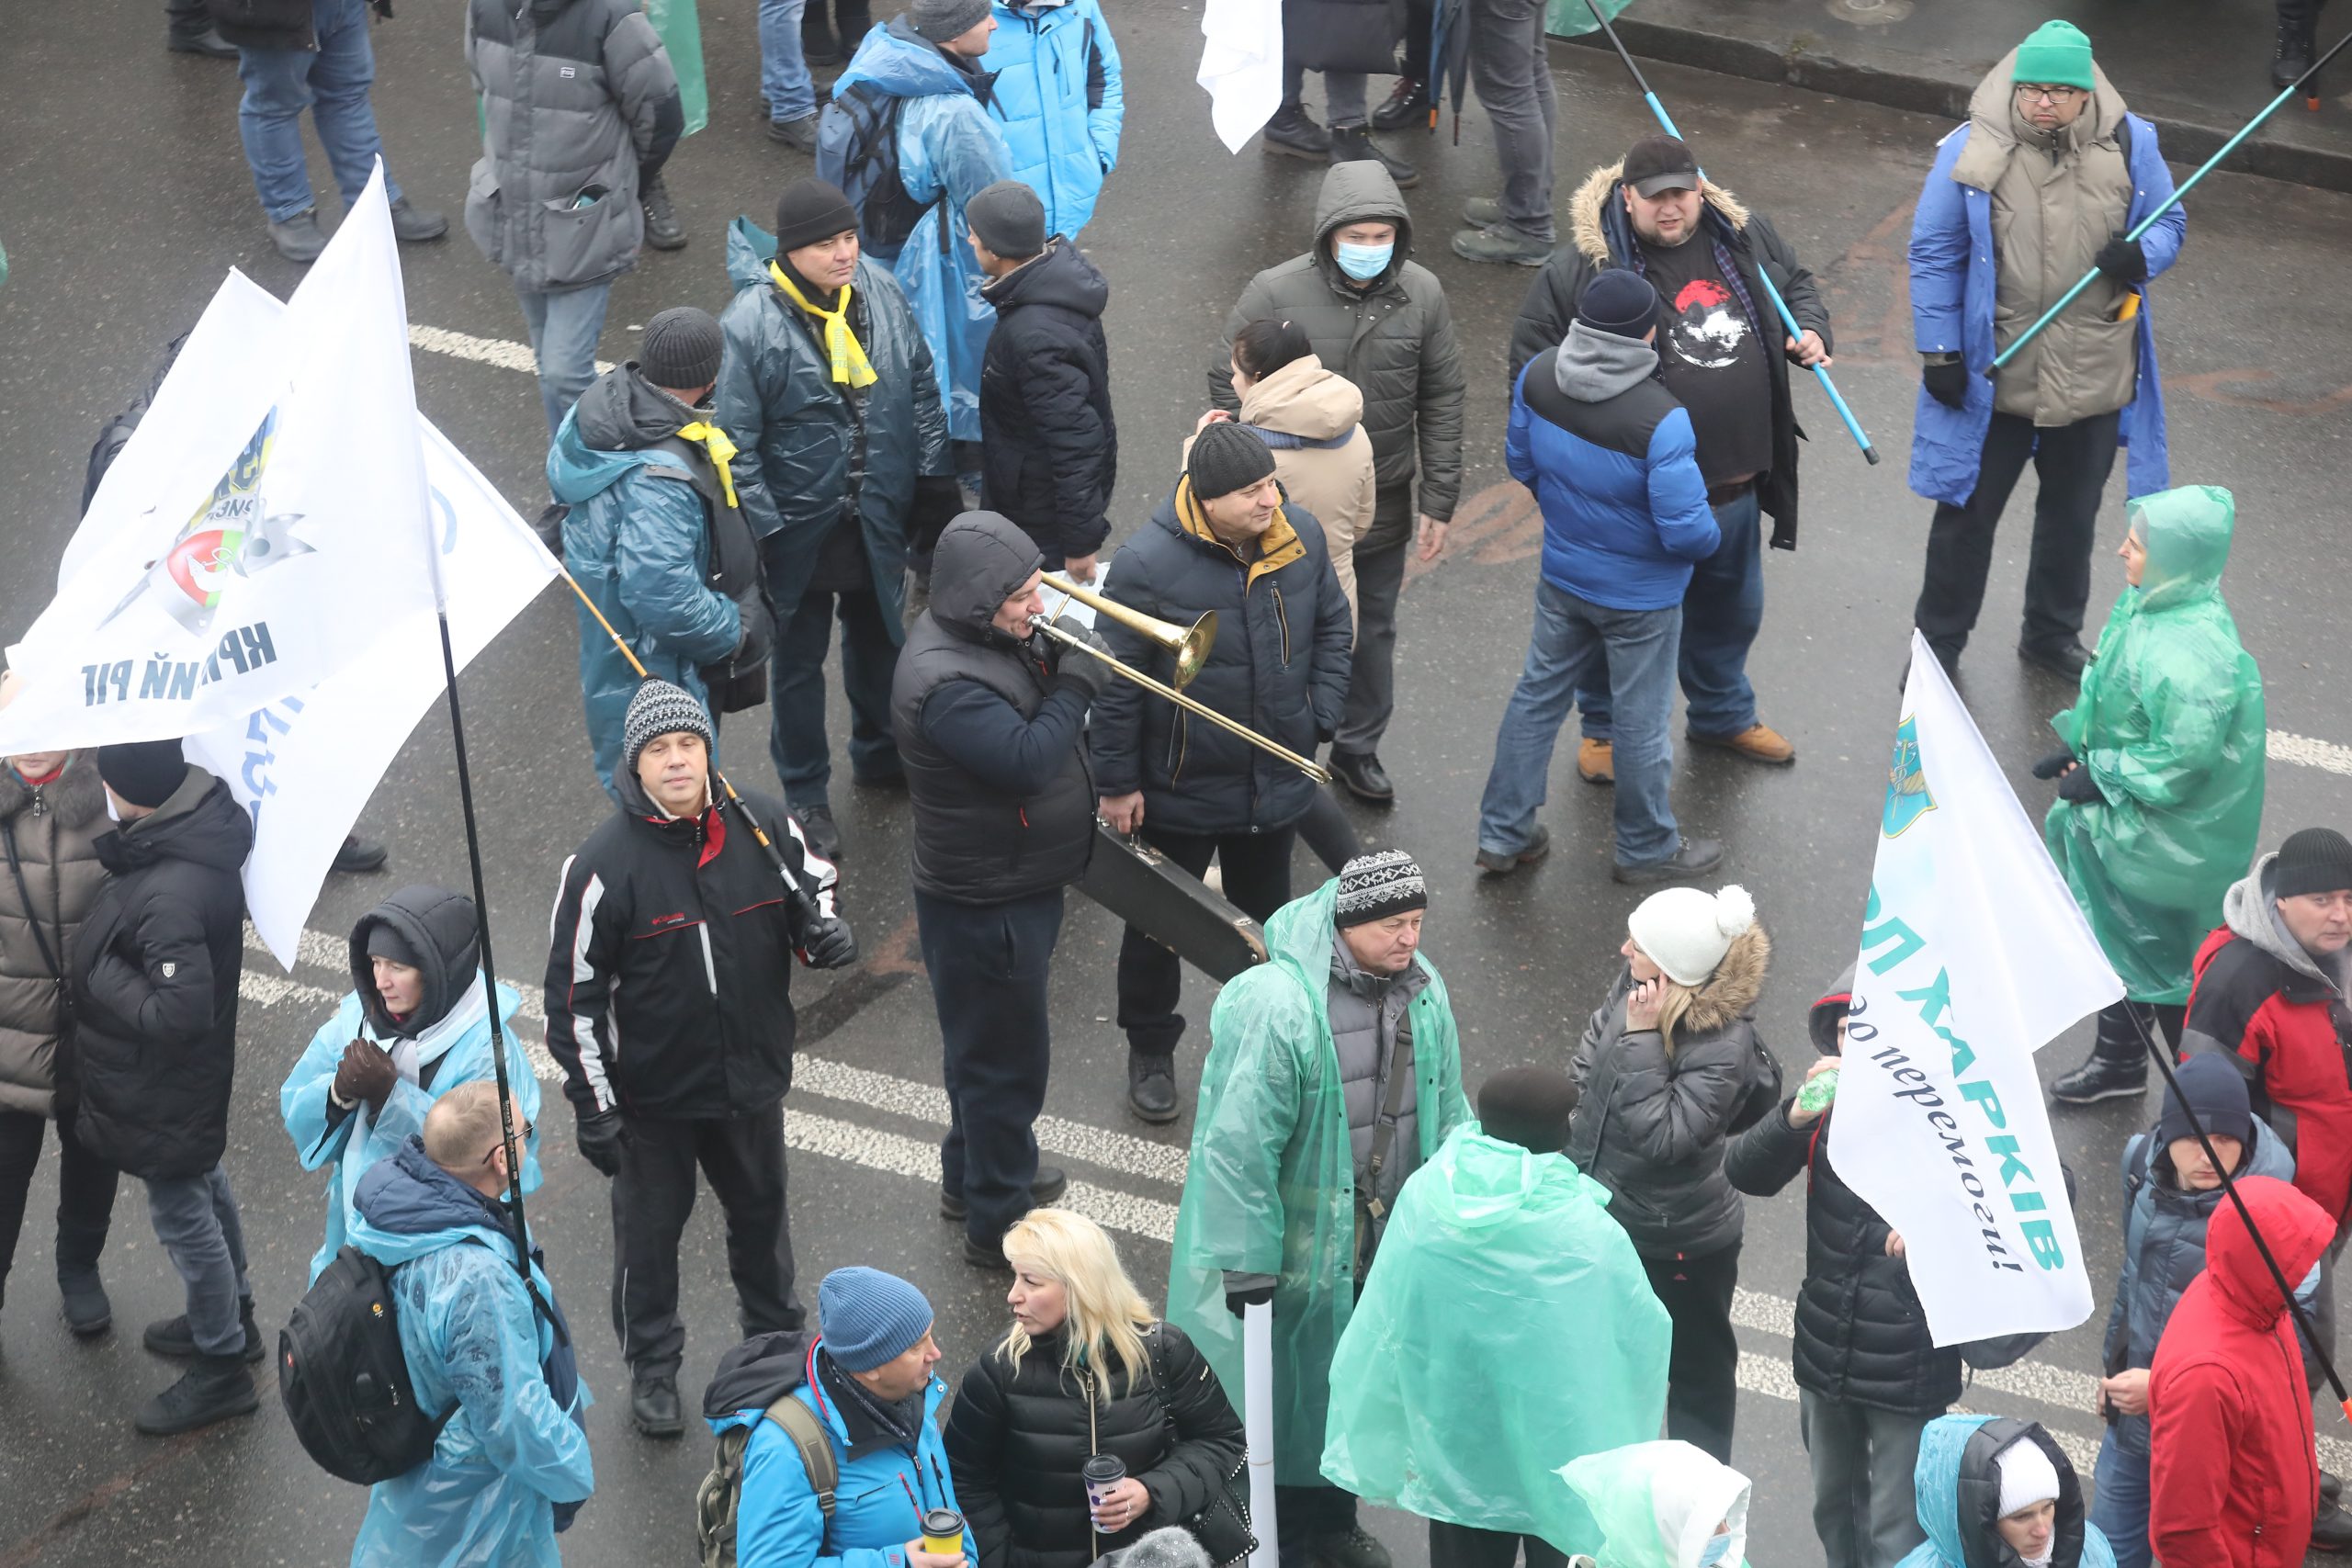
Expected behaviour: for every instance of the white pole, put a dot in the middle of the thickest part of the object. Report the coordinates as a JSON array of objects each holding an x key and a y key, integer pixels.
[{"x": 1257, "y": 1423}]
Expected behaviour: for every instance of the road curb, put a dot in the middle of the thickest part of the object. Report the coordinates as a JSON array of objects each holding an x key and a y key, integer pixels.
[{"x": 2186, "y": 139}]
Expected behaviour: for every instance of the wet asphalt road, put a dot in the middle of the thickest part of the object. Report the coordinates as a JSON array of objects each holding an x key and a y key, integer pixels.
[{"x": 123, "y": 197}]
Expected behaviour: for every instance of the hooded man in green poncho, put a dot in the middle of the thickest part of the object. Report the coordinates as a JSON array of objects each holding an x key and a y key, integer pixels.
[
  {"x": 1333, "y": 1073},
  {"x": 2160, "y": 784},
  {"x": 1502, "y": 1232}
]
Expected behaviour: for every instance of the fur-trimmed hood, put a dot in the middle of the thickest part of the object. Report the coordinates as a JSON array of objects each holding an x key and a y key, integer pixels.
[
  {"x": 1597, "y": 223},
  {"x": 1729, "y": 994},
  {"x": 77, "y": 796}
]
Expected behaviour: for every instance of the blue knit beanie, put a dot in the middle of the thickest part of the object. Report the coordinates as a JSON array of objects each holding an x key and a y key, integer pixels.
[{"x": 869, "y": 1318}]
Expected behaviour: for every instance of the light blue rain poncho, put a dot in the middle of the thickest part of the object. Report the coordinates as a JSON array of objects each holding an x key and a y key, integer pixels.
[{"x": 444, "y": 1043}]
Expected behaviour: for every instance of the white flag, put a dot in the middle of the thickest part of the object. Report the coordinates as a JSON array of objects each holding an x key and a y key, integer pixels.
[
  {"x": 262, "y": 531},
  {"x": 1242, "y": 66},
  {"x": 1973, "y": 956}
]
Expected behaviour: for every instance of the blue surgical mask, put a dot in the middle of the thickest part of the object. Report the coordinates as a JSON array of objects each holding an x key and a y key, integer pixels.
[
  {"x": 1715, "y": 1550},
  {"x": 1363, "y": 263}
]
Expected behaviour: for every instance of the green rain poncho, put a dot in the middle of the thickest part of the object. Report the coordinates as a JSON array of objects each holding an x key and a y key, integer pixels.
[
  {"x": 1658, "y": 1503},
  {"x": 1271, "y": 1185},
  {"x": 1497, "y": 1260},
  {"x": 2170, "y": 725}
]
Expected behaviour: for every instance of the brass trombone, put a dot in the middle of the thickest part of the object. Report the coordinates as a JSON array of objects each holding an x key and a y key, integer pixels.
[{"x": 1189, "y": 647}]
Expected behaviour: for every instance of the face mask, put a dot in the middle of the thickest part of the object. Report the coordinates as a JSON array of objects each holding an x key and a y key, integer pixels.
[
  {"x": 1715, "y": 1550},
  {"x": 1363, "y": 263}
]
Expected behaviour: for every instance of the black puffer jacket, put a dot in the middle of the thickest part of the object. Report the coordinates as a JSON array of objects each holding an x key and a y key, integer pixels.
[
  {"x": 1019, "y": 1436},
  {"x": 1861, "y": 1336},
  {"x": 1049, "y": 448},
  {"x": 1653, "y": 1124},
  {"x": 1279, "y": 665},
  {"x": 155, "y": 970}
]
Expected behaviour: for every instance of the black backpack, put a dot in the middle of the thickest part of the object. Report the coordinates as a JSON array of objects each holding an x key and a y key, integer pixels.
[
  {"x": 344, "y": 1382},
  {"x": 858, "y": 150}
]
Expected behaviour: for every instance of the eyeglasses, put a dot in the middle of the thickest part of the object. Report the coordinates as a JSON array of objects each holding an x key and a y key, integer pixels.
[
  {"x": 521, "y": 1140},
  {"x": 2056, "y": 97}
]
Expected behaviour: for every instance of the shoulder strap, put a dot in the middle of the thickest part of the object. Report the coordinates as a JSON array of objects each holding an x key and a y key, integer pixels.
[
  {"x": 1391, "y": 1104},
  {"x": 799, "y": 1423},
  {"x": 32, "y": 914},
  {"x": 1154, "y": 1345}
]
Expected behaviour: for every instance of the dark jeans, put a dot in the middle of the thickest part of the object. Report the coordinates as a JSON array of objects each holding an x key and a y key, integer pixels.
[
  {"x": 1702, "y": 1368},
  {"x": 1460, "y": 1546},
  {"x": 743, "y": 1158},
  {"x": 1328, "y": 833},
  {"x": 1152, "y": 979},
  {"x": 989, "y": 965},
  {"x": 1511, "y": 69},
  {"x": 1303, "y": 1513},
  {"x": 2071, "y": 464},
  {"x": 85, "y": 1188},
  {"x": 1722, "y": 612},
  {"x": 2118, "y": 1040},
  {"x": 1865, "y": 1508},
  {"x": 1380, "y": 577},
  {"x": 797, "y": 686}
]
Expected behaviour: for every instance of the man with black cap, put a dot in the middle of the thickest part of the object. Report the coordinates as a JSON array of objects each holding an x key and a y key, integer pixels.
[
  {"x": 155, "y": 968},
  {"x": 1049, "y": 451},
  {"x": 1609, "y": 453},
  {"x": 1334, "y": 1073},
  {"x": 825, "y": 386},
  {"x": 1225, "y": 540},
  {"x": 991, "y": 718},
  {"x": 669, "y": 1009},
  {"x": 655, "y": 536},
  {"x": 1708, "y": 256}
]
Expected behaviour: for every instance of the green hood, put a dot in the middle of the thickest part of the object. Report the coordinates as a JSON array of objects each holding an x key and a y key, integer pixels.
[
  {"x": 1478, "y": 1182},
  {"x": 1658, "y": 1503},
  {"x": 2186, "y": 533}
]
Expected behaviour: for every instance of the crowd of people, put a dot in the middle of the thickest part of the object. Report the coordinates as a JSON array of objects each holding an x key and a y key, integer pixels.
[{"x": 902, "y": 421}]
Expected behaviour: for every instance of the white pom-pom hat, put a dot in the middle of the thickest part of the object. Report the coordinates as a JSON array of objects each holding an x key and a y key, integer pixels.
[{"x": 1686, "y": 932}]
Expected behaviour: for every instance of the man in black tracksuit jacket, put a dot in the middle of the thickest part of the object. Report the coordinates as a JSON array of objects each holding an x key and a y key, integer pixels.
[
  {"x": 991, "y": 718},
  {"x": 669, "y": 1007}
]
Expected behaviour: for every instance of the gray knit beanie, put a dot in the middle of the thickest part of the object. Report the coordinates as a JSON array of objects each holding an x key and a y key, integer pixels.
[
  {"x": 681, "y": 349},
  {"x": 940, "y": 20},
  {"x": 661, "y": 708}
]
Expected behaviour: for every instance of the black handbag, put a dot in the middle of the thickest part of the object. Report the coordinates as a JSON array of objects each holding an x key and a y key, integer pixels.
[
  {"x": 1353, "y": 37},
  {"x": 1223, "y": 1527}
]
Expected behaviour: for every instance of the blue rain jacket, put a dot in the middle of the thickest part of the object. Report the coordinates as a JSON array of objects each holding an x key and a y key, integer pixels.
[
  {"x": 1060, "y": 96},
  {"x": 949, "y": 151},
  {"x": 1958, "y": 1489},
  {"x": 454, "y": 1051},
  {"x": 516, "y": 1446}
]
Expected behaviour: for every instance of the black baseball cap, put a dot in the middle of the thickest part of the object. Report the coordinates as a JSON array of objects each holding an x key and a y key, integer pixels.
[{"x": 1658, "y": 162}]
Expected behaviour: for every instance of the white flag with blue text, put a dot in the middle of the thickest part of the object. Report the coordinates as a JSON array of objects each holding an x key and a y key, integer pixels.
[{"x": 1973, "y": 956}]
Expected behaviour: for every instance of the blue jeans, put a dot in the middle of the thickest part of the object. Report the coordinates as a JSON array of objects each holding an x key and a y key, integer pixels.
[
  {"x": 196, "y": 1219},
  {"x": 332, "y": 82},
  {"x": 2121, "y": 1508},
  {"x": 785, "y": 81},
  {"x": 1571, "y": 637},
  {"x": 565, "y": 325},
  {"x": 1722, "y": 612}
]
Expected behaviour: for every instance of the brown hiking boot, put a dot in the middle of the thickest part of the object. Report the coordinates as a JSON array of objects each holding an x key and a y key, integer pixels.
[
  {"x": 1596, "y": 762},
  {"x": 1758, "y": 743}
]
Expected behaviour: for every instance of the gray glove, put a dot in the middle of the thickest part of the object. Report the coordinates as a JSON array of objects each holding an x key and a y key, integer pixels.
[{"x": 1083, "y": 670}]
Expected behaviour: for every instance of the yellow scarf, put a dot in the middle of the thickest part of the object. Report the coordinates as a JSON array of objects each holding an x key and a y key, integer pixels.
[
  {"x": 850, "y": 364},
  {"x": 722, "y": 451}
]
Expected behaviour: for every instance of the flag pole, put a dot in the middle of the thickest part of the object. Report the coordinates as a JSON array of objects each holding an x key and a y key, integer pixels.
[
  {"x": 2229, "y": 1185},
  {"x": 1764, "y": 276}
]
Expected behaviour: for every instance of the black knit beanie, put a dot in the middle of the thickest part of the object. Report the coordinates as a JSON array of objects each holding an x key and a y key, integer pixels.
[
  {"x": 1619, "y": 302},
  {"x": 811, "y": 211},
  {"x": 681, "y": 349},
  {"x": 1227, "y": 457},
  {"x": 2317, "y": 860},
  {"x": 1008, "y": 219},
  {"x": 143, "y": 773}
]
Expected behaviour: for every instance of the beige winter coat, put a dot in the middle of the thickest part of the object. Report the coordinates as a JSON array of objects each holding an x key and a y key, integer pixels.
[
  {"x": 49, "y": 832},
  {"x": 1334, "y": 482}
]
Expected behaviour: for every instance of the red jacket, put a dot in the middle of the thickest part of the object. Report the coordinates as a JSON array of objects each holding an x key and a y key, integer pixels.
[{"x": 2233, "y": 1480}]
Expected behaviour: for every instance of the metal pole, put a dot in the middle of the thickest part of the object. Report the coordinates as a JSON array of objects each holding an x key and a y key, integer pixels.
[{"x": 1781, "y": 306}]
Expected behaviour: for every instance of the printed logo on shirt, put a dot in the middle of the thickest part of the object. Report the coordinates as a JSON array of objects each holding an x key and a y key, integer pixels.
[{"x": 1708, "y": 326}]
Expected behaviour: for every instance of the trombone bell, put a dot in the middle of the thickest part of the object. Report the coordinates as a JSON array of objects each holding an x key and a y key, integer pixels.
[{"x": 1188, "y": 646}]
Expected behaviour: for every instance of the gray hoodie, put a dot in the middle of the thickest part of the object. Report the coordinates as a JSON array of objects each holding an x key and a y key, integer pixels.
[{"x": 1593, "y": 366}]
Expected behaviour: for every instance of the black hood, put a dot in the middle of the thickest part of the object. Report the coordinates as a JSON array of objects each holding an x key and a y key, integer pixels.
[
  {"x": 1061, "y": 278},
  {"x": 440, "y": 927},
  {"x": 1979, "y": 1498},
  {"x": 981, "y": 558},
  {"x": 623, "y": 412},
  {"x": 200, "y": 822},
  {"x": 757, "y": 1373},
  {"x": 1821, "y": 1023}
]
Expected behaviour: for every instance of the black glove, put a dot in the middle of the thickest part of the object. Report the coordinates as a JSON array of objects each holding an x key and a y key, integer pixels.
[
  {"x": 1084, "y": 669},
  {"x": 938, "y": 501},
  {"x": 2122, "y": 260},
  {"x": 2057, "y": 762},
  {"x": 1257, "y": 1296},
  {"x": 1947, "y": 383},
  {"x": 2078, "y": 787},
  {"x": 603, "y": 1136},
  {"x": 828, "y": 944}
]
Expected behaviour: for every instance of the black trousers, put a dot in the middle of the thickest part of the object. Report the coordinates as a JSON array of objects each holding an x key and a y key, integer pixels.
[
  {"x": 85, "y": 1188},
  {"x": 1702, "y": 1368},
  {"x": 1302, "y": 1514},
  {"x": 743, "y": 1158},
  {"x": 2071, "y": 464},
  {"x": 2118, "y": 1039},
  {"x": 1460, "y": 1546},
  {"x": 1418, "y": 16},
  {"x": 989, "y": 965},
  {"x": 1152, "y": 979}
]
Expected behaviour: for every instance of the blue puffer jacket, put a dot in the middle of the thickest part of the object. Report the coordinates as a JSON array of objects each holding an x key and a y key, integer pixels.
[
  {"x": 1061, "y": 95},
  {"x": 949, "y": 151},
  {"x": 638, "y": 540},
  {"x": 1958, "y": 1489},
  {"x": 879, "y": 1501},
  {"x": 516, "y": 1446}
]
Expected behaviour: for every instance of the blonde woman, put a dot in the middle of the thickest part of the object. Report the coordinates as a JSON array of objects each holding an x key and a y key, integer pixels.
[
  {"x": 1664, "y": 1068},
  {"x": 1075, "y": 1377}
]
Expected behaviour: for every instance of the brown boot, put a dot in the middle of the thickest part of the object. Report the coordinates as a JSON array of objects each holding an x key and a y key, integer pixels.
[
  {"x": 1758, "y": 743},
  {"x": 1596, "y": 762}
]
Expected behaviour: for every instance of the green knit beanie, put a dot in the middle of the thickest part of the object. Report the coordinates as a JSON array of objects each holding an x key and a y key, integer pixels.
[{"x": 2056, "y": 54}]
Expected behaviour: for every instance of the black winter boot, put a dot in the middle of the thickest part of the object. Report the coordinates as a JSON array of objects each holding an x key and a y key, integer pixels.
[
  {"x": 662, "y": 230},
  {"x": 173, "y": 1338},
  {"x": 213, "y": 1389},
  {"x": 1151, "y": 1085},
  {"x": 2297, "y": 43},
  {"x": 1353, "y": 143},
  {"x": 88, "y": 1313}
]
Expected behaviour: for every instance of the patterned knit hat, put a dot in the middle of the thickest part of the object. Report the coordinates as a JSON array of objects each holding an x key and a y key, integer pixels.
[
  {"x": 1374, "y": 887},
  {"x": 660, "y": 708}
]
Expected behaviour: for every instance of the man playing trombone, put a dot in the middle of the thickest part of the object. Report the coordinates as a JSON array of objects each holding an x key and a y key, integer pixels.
[{"x": 1224, "y": 542}]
